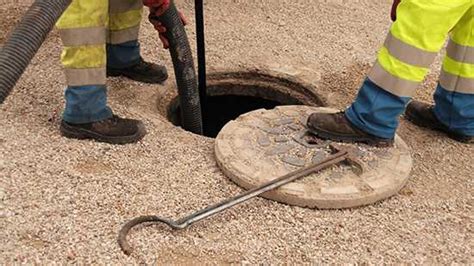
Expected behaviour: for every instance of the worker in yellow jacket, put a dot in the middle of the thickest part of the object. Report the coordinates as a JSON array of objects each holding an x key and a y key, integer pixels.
[
  {"x": 100, "y": 39},
  {"x": 419, "y": 32}
]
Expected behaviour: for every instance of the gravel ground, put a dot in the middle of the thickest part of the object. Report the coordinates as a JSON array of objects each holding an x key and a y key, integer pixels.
[{"x": 64, "y": 200}]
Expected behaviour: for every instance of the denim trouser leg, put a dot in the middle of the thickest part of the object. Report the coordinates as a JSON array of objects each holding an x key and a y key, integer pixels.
[
  {"x": 455, "y": 110},
  {"x": 86, "y": 104},
  {"x": 376, "y": 111},
  {"x": 123, "y": 55}
]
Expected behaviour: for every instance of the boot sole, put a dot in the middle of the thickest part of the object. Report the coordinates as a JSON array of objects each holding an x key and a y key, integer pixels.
[
  {"x": 380, "y": 143},
  {"x": 144, "y": 79},
  {"x": 77, "y": 133}
]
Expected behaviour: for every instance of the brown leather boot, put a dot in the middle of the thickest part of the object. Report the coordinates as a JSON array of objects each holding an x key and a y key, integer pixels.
[
  {"x": 114, "y": 130},
  {"x": 422, "y": 115},
  {"x": 143, "y": 72},
  {"x": 336, "y": 127}
]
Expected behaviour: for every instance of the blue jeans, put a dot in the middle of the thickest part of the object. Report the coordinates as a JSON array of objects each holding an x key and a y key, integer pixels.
[
  {"x": 377, "y": 111},
  {"x": 86, "y": 104}
]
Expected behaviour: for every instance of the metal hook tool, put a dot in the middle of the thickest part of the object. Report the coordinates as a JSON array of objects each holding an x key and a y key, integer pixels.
[{"x": 340, "y": 155}]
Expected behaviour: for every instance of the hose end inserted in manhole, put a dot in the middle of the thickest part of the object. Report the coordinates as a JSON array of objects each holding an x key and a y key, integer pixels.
[
  {"x": 191, "y": 115},
  {"x": 231, "y": 94}
]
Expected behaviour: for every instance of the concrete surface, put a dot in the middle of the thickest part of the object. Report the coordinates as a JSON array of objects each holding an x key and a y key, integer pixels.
[{"x": 65, "y": 200}]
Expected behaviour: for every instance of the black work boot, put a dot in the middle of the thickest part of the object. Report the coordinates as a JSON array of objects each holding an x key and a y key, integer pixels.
[
  {"x": 335, "y": 126},
  {"x": 422, "y": 115},
  {"x": 143, "y": 71},
  {"x": 114, "y": 130}
]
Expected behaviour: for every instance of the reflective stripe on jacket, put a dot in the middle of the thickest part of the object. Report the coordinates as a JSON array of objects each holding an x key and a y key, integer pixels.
[
  {"x": 86, "y": 27},
  {"x": 414, "y": 40}
]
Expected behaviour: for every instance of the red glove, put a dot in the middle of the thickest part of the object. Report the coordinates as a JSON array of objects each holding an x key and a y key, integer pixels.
[
  {"x": 160, "y": 6},
  {"x": 157, "y": 8},
  {"x": 394, "y": 9}
]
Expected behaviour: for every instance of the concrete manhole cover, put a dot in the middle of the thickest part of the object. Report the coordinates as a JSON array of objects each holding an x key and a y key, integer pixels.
[{"x": 262, "y": 145}]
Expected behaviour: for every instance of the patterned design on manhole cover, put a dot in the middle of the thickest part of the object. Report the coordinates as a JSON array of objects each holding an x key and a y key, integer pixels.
[{"x": 265, "y": 144}]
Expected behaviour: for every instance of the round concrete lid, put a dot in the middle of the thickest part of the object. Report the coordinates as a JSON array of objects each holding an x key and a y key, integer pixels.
[{"x": 263, "y": 145}]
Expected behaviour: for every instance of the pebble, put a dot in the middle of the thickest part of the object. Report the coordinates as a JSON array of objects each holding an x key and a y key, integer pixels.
[
  {"x": 6, "y": 213},
  {"x": 3, "y": 194}
]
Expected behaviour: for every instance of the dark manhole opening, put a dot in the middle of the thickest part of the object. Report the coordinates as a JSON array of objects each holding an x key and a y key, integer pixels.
[{"x": 233, "y": 94}]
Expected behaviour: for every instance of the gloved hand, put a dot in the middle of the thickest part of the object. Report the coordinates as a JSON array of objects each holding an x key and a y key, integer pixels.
[
  {"x": 394, "y": 9},
  {"x": 157, "y": 8}
]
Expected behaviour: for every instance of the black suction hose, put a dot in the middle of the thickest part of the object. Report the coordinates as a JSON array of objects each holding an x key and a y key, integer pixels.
[
  {"x": 191, "y": 115},
  {"x": 201, "y": 54},
  {"x": 25, "y": 41}
]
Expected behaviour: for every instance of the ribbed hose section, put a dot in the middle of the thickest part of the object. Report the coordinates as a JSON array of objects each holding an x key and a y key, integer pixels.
[
  {"x": 25, "y": 41},
  {"x": 191, "y": 115}
]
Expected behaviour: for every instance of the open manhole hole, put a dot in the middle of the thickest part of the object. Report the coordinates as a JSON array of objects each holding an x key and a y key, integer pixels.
[{"x": 232, "y": 94}]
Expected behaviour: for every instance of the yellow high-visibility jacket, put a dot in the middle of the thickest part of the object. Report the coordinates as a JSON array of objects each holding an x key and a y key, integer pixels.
[
  {"x": 86, "y": 27},
  {"x": 416, "y": 37}
]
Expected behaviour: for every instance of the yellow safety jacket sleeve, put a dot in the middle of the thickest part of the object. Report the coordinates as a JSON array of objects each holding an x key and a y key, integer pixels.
[{"x": 414, "y": 40}]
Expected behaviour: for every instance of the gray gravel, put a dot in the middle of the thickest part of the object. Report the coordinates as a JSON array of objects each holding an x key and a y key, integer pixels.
[{"x": 64, "y": 200}]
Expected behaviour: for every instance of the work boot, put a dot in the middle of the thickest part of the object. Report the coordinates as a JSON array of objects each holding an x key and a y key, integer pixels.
[
  {"x": 114, "y": 130},
  {"x": 422, "y": 115},
  {"x": 142, "y": 71},
  {"x": 335, "y": 126}
]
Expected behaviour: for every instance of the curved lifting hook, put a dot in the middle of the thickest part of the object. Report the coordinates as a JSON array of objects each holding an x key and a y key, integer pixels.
[
  {"x": 339, "y": 156},
  {"x": 122, "y": 237}
]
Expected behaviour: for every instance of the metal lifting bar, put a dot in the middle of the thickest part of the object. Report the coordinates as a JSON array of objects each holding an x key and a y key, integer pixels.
[{"x": 340, "y": 154}]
